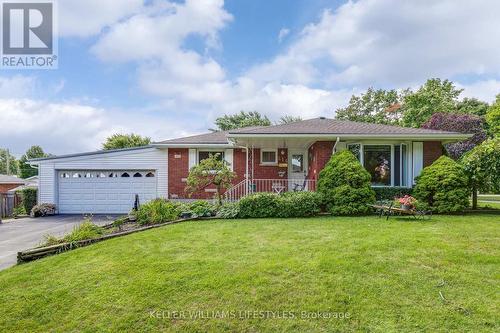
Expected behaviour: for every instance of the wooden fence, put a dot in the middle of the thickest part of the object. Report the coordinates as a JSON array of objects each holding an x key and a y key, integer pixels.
[{"x": 7, "y": 203}]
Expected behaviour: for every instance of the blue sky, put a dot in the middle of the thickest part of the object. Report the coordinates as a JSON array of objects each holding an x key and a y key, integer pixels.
[{"x": 167, "y": 69}]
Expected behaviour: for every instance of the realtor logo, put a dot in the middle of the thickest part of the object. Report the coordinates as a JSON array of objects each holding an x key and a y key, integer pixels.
[{"x": 28, "y": 34}]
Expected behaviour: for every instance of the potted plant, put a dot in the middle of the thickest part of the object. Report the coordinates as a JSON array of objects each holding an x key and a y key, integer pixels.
[{"x": 407, "y": 202}]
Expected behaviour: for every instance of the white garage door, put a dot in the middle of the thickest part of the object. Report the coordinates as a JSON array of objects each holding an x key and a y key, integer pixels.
[{"x": 107, "y": 191}]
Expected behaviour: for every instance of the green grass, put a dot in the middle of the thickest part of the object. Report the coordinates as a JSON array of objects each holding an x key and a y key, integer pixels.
[
  {"x": 483, "y": 204},
  {"x": 387, "y": 275}
]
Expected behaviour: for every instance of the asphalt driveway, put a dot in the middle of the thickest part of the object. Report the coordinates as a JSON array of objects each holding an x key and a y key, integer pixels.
[{"x": 26, "y": 233}]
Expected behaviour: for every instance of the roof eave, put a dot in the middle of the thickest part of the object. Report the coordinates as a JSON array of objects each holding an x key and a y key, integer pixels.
[
  {"x": 414, "y": 137},
  {"x": 192, "y": 145}
]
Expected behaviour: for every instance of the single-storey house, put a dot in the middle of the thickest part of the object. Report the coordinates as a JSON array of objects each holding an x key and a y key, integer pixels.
[
  {"x": 31, "y": 182},
  {"x": 272, "y": 159},
  {"x": 9, "y": 182}
]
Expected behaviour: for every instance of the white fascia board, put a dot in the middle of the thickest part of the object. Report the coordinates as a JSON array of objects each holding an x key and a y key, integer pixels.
[
  {"x": 412, "y": 137},
  {"x": 192, "y": 145}
]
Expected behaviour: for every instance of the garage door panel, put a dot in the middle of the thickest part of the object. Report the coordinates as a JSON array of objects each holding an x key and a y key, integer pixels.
[{"x": 94, "y": 194}]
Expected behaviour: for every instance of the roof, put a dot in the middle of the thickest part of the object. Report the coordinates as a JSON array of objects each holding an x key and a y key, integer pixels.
[
  {"x": 207, "y": 138},
  {"x": 338, "y": 127},
  {"x": 5, "y": 179},
  {"x": 97, "y": 152}
]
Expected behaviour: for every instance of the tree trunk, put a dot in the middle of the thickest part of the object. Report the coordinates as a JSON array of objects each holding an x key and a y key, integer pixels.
[{"x": 474, "y": 197}]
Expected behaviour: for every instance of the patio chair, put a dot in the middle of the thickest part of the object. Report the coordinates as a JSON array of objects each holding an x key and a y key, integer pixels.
[{"x": 299, "y": 187}]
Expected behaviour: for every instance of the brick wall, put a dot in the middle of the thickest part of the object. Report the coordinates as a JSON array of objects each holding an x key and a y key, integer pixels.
[
  {"x": 432, "y": 151},
  {"x": 270, "y": 171},
  {"x": 319, "y": 154},
  {"x": 6, "y": 187}
]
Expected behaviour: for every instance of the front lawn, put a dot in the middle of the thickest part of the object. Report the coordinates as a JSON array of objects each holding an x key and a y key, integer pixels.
[{"x": 440, "y": 275}]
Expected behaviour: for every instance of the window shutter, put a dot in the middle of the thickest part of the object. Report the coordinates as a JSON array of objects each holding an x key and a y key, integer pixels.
[
  {"x": 192, "y": 158},
  {"x": 228, "y": 156},
  {"x": 418, "y": 158}
]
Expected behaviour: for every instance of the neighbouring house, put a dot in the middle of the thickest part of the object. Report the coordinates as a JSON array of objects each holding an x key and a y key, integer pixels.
[
  {"x": 265, "y": 159},
  {"x": 31, "y": 182},
  {"x": 9, "y": 182}
]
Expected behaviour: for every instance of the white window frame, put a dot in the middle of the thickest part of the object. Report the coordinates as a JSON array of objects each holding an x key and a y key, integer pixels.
[
  {"x": 275, "y": 151},
  {"x": 210, "y": 151}
]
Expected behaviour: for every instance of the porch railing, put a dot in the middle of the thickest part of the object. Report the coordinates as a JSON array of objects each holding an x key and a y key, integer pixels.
[{"x": 277, "y": 186}]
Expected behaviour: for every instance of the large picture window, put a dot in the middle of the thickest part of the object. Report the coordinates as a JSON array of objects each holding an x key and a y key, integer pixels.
[
  {"x": 203, "y": 155},
  {"x": 377, "y": 160}
]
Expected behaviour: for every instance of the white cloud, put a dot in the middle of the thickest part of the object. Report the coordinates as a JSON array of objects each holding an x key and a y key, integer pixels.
[
  {"x": 282, "y": 34},
  {"x": 483, "y": 90},
  {"x": 17, "y": 86}
]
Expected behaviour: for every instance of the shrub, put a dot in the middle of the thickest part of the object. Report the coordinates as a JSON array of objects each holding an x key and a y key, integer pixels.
[
  {"x": 18, "y": 210},
  {"x": 158, "y": 211},
  {"x": 86, "y": 230},
  {"x": 345, "y": 185},
  {"x": 389, "y": 193},
  {"x": 229, "y": 210},
  {"x": 299, "y": 204},
  {"x": 259, "y": 205},
  {"x": 29, "y": 197},
  {"x": 44, "y": 209},
  {"x": 201, "y": 208},
  {"x": 443, "y": 186}
]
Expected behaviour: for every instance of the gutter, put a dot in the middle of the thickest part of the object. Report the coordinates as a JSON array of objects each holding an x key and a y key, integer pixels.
[{"x": 414, "y": 137}]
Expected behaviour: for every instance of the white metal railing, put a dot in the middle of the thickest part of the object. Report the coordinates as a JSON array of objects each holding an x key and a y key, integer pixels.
[{"x": 277, "y": 186}]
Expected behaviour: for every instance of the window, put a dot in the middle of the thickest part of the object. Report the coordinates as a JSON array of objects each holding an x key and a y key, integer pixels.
[
  {"x": 125, "y": 175},
  {"x": 89, "y": 175},
  {"x": 297, "y": 163},
  {"x": 356, "y": 150},
  {"x": 268, "y": 156},
  {"x": 100, "y": 175},
  {"x": 65, "y": 175},
  {"x": 77, "y": 175},
  {"x": 150, "y": 175},
  {"x": 377, "y": 160},
  {"x": 203, "y": 155},
  {"x": 137, "y": 175},
  {"x": 404, "y": 166},
  {"x": 113, "y": 175}
]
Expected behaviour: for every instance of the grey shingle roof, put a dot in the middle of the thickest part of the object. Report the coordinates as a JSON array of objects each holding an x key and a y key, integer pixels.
[
  {"x": 331, "y": 126},
  {"x": 4, "y": 179},
  {"x": 206, "y": 138}
]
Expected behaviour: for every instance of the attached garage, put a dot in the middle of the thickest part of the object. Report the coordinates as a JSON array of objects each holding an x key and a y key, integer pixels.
[
  {"x": 103, "y": 182},
  {"x": 103, "y": 191}
]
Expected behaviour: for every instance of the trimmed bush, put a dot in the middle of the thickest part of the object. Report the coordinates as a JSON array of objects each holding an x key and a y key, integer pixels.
[
  {"x": 29, "y": 198},
  {"x": 158, "y": 211},
  {"x": 299, "y": 204},
  {"x": 345, "y": 185},
  {"x": 443, "y": 186},
  {"x": 201, "y": 208},
  {"x": 389, "y": 193},
  {"x": 44, "y": 209},
  {"x": 259, "y": 205},
  {"x": 229, "y": 210}
]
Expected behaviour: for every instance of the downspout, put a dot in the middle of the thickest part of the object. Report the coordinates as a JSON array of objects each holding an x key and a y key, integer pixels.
[{"x": 335, "y": 145}]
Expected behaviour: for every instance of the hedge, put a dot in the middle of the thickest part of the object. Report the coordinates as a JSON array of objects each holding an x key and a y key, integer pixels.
[{"x": 29, "y": 198}]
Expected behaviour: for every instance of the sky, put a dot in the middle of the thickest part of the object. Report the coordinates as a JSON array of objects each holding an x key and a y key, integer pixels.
[{"x": 167, "y": 69}]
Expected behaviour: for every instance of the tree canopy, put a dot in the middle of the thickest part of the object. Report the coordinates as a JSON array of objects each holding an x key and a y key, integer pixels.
[
  {"x": 374, "y": 106},
  {"x": 25, "y": 170},
  {"x": 288, "y": 119},
  {"x": 240, "y": 120},
  {"x": 8, "y": 163},
  {"x": 462, "y": 123},
  {"x": 119, "y": 141},
  {"x": 210, "y": 171},
  {"x": 434, "y": 96},
  {"x": 493, "y": 118},
  {"x": 472, "y": 106}
]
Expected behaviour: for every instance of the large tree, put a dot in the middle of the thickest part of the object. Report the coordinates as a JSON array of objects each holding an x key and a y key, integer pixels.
[
  {"x": 462, "y": 123},
  {"x": 25, "y": 170},
  {"x": 374, "y": 106},
  {"x": 482, "y": 166},
  {"x": 240, "y": 120},
  {"x": 472, "y": 106},
  {"x": 210, "y": 171},
  {"x": 493, "y": 118},
  {"x": 8, "y": 163},
  {"x": 434, "y": 96},
  {"x": 119, "y": 141},
  {"x": 288, "y": 119}
]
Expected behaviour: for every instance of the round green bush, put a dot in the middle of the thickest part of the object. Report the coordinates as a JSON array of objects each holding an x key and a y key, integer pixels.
[
  {"x": 345, "y": 185},
  {"x": 443, "y": 186},
  {"x": 299, "y": 204},
  {"x": 259, "y": 205}
]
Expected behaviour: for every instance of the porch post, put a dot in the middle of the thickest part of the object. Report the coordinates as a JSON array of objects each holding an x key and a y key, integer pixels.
[{"x": 246, "y": 172}]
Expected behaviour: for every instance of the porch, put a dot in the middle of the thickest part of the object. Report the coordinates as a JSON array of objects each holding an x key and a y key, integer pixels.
[{"x": 277, "y": 186}]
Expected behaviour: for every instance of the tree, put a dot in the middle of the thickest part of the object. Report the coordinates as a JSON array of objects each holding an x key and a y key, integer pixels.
[
  {"x": 462, "y": 123},
  {"x": 8, "y": 163},
  {"x": 210, "y": 171},
  {"x": 374, "y": 106},
  {"x": 288, "y": 119},
  {"x": 119, "y": 141},
  {"x": 240, "y": 120},
  {"x": 434, "y": 96},
  {"x": 482, "y": 166},
  {"x": 345, "y": 185},
  {"x": 25, "y": 170},
  {"x": 443, "y": 186},
  {"x": 472, "y": 106},
  {"x": 493, "y": 118}
]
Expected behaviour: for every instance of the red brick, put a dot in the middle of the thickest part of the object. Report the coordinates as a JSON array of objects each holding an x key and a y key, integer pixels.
[
  {"x": 432, "y": 151},
  {"x": 6, "y": 187}
]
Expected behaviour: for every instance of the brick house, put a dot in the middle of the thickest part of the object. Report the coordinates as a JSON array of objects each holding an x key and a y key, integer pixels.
[
  {"x": 9, "y": 182},
  {"x": 271, "y": 159}
]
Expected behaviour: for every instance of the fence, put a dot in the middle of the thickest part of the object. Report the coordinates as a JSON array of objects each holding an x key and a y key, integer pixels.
[{"x": 7, "y": 203}]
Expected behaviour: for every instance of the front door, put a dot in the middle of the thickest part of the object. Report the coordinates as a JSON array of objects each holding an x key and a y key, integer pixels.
[{"x": 297, "y": 169}]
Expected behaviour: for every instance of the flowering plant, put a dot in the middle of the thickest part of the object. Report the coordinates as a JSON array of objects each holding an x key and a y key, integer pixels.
[{"x": 407, "y": 200}]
